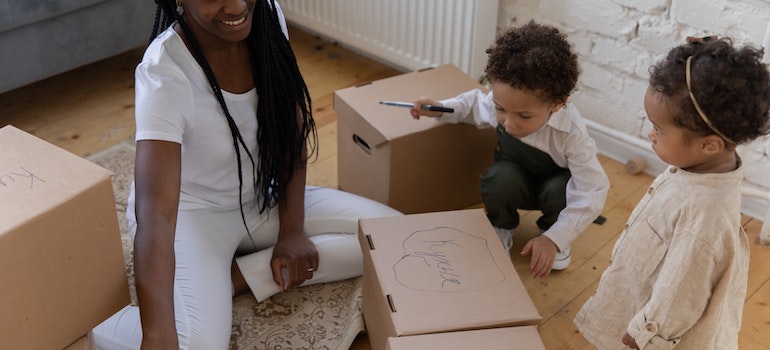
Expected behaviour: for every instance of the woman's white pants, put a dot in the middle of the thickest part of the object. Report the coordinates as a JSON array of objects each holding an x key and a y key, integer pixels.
[{"x": 207, "y": 241}]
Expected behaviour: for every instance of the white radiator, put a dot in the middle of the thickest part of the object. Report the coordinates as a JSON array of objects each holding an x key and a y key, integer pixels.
[{"x": 408, "y": 34}]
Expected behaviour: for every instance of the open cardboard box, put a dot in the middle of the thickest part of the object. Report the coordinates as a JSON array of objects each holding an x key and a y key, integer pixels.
[
  {"x": 60, "y": 247},
  {"x": 438, "y": 272},
  {"x": 414, "y": 166},
  {"x": 511, "y": 338}
]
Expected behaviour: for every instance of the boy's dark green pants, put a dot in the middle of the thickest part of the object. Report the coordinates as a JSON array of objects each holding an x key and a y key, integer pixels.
[{"x": 522, "y": 177}]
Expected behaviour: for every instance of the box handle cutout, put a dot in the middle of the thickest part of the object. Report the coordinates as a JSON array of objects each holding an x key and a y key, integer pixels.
[
  {"x": 361, "y": 143},
  {"x": 390, "y": 303},
  {"x": 371, "y": 243},
  {"x": 364, "y": 84}
]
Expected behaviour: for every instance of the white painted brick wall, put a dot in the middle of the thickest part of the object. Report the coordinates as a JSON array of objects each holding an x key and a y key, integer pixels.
[
  {"x": 645, "y": 6},
  {"x": 618, "y": 40}
]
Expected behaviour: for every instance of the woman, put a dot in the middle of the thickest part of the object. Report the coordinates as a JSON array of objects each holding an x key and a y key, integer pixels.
[{"x": 220, "y": 178}]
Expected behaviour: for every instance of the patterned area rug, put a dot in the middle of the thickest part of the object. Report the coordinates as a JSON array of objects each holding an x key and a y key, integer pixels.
[{"x": 322, "y": 316}]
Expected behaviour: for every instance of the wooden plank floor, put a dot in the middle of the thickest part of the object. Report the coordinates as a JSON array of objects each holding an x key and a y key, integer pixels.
[{"x": 91, "y": 108}]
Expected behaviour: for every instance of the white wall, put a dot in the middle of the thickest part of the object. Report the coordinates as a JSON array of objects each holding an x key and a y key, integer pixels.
[{"x": 618, "y": 40}]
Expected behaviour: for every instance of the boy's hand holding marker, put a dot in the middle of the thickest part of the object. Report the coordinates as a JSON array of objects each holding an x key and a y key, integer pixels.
[{"x": 422, "y": 107}]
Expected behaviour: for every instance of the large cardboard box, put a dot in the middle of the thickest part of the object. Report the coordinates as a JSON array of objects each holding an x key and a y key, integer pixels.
[
  {"x": 60, "y": 247},
  {"x": 85, "y": 342},
  {"x": 415, "y": 166},
  {"x": 509, "y": 338},
  {"x": 438, "y": 272}
]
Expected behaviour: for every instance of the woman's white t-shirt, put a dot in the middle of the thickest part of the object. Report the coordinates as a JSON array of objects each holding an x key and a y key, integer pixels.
[{"x": 175, "y": 103}]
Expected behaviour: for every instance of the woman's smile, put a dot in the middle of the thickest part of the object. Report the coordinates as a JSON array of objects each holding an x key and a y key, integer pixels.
[{"x": 236, "y": 22}]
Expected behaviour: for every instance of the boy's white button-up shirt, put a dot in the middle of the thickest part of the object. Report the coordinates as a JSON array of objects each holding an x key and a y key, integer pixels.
[{"x": 565, "y": 138}]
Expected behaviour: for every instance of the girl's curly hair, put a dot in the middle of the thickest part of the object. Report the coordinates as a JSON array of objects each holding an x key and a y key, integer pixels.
[
  {"x": 731, "y": 85},
  {"x": 535, "y": 58}
]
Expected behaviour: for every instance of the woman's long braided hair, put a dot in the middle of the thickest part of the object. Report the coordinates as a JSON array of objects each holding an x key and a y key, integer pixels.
[{"x": 281, "y": 136}]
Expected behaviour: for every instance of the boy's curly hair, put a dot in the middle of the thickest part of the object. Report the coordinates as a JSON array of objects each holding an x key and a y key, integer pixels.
[
  {"x": 732, "y": 87},
  {"x": 536, "y": 58}
]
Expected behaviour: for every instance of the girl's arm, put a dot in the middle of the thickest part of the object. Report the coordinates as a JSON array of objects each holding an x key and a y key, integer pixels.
[
  {"x": 157, "y": 186},
  {"x": 681, "y": 294}
]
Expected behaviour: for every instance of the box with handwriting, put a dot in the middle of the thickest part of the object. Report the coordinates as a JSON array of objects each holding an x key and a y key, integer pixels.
[
  {"x": 60, "y": 247},
  {"x": 523, "y": 337},
  {"x": 436, "y": 273}
]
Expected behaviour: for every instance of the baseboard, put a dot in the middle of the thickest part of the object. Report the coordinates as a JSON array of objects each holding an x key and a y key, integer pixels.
[{"x": 623, "y": 147}]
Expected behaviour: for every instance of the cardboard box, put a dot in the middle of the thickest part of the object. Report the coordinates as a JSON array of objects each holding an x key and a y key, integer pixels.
[
  {"x": 85, "y": 342},
  {"x": 414, "y": 166},
  {"x": 60, "y": 247},
  {"x": 511, "y": 338},
  {"x": 438, "y": 272}
]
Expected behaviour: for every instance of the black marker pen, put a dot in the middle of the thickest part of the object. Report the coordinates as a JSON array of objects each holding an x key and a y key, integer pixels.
[{"x": 423, "y": 107}]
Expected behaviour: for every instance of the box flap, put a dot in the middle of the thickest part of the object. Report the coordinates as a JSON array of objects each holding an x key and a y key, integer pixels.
[
  {"x": 392, "y": 122},
  {"x": 445, "y": 271},
  {"x": 33, "y": 171},
  {"x": 524, "y": 337}
]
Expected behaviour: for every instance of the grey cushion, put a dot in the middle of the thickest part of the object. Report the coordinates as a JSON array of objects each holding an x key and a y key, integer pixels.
[
  {"x": 17, "y": 13},
  {"x": 73, "y": 37}
]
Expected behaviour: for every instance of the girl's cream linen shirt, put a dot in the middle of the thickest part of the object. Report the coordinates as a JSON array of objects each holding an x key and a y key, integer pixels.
[{"x": 679, "y": 270}]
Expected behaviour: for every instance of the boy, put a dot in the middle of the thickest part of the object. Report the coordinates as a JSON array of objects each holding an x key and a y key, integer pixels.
[{"x": 545, "y": 159}]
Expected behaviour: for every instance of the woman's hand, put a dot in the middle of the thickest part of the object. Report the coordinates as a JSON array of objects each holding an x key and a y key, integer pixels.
[
  {"x": 295, "y": 258},
  {"x": 167, "y": 341}
]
